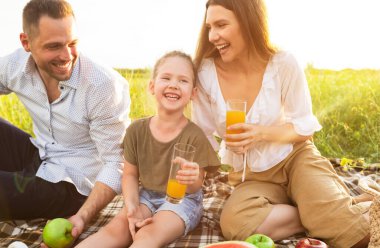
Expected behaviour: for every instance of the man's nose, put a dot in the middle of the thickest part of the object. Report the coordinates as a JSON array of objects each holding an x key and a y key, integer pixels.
[{"x": 67, "y": 53}]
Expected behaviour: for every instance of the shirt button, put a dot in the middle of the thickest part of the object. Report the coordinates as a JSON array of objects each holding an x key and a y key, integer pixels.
[{"x": 61, "y": 87}]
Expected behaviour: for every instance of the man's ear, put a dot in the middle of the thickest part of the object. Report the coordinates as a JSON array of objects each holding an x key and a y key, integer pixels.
[
  {"x": 24, "y": 39},
  {"x": 151, "y": 87}
]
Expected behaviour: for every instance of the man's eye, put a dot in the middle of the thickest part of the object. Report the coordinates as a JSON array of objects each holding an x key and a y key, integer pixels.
[{"x": 53, "y": 47}]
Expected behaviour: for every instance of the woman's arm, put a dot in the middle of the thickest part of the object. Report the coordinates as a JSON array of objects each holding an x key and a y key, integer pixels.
[
  {"x": 256, "y": 133},
  {"x": 300, "y": 123}
]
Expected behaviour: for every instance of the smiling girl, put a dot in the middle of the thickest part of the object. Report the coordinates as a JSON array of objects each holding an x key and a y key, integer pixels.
[{"x": 147, "y": 220}]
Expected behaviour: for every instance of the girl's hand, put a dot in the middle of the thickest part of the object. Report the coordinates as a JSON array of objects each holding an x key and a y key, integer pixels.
[
  {"x": 136, "y": 219},
  {"x": 240, "y": 143},
  {"x": 189, "y": 172}
]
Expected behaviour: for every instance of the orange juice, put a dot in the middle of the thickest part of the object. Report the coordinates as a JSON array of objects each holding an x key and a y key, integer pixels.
[
  {"x": 233, "y": 117},
  {"x": 175, "y": 190}
]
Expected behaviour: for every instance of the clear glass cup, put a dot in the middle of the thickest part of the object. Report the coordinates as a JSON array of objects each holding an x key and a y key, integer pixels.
[
  {"x": 175, "y": 191},
  {"x": 235, "y": 114}
]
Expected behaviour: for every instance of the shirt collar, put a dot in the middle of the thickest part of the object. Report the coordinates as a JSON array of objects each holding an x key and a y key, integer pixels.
[
  {"x": 30, "y": 65},
  {"x": 74, "y": 80}
]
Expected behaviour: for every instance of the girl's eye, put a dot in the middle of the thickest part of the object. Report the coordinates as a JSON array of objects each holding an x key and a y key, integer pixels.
[{"x": 183, "y": 81}]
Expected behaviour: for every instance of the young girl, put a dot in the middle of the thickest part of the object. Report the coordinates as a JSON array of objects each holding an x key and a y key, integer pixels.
[{"x": 147, "y": 220}]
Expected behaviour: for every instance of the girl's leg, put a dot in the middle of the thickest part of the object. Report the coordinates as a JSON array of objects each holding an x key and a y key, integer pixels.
[
  {"x": 114, "y": 234},
  {"x": 165, "y": 228}
]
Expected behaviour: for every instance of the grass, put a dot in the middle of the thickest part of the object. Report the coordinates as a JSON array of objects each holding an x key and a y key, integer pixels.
[
  {"x": 347, "y": 104},
  {"x": 142, "y": 102},
  {"x": 13, "y": 110}
]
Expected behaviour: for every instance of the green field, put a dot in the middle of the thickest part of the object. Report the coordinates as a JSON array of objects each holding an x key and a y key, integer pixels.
[{"x": 347, "y": 104}]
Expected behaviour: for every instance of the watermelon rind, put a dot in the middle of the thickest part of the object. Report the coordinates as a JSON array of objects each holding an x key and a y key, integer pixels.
[{"x": 230, "y": 244}]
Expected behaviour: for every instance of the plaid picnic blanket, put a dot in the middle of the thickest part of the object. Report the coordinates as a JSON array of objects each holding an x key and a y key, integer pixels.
[{"x": 216, "y": 191}]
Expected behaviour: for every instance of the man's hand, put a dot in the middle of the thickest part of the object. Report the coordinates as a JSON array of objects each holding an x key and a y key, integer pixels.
[{"x": 78, "y": 227}]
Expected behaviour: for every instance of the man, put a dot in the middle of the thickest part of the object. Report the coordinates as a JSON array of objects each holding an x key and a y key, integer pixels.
[{"x": 79, "y": 111}]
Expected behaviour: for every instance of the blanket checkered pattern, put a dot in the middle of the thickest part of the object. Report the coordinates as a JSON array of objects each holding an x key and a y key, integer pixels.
[{"x": 216, "y": 191}]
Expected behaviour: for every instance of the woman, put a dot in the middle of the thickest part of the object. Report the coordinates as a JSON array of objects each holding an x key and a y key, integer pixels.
[{"x": 289, "y": 187}]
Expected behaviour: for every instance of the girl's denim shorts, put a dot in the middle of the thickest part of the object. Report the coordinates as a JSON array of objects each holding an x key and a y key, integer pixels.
[{"x": 190, "y": 210}]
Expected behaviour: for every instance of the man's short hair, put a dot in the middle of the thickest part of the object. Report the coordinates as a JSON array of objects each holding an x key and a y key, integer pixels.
[{"x": 35, "y": 9}]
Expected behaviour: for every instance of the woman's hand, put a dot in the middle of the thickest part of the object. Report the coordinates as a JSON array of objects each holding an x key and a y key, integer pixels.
[
  {"x": 240, "y": 143},
  {"x": 252, "y": 134}
]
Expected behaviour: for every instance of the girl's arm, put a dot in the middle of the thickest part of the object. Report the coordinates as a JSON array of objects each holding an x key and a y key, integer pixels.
[{"x": 130, "y": 185}]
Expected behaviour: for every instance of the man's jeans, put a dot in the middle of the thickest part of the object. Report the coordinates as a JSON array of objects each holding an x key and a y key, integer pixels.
[{"x": 22, "y": 194}]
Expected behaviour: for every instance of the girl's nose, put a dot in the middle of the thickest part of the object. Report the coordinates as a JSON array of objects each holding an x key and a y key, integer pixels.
[{"x": 173, "y": 84}]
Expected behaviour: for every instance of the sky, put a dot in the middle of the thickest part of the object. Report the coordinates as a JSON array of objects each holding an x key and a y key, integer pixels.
[{"x": 332, "y": 34}]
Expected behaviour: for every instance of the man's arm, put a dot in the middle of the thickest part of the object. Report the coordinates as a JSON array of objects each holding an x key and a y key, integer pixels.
[{"x": 99, "y": 197}]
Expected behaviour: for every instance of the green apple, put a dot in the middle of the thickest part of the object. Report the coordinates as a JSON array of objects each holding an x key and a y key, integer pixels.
[
  {"x": 261, "y": 241},
  {"x": 57, "y": 233}
]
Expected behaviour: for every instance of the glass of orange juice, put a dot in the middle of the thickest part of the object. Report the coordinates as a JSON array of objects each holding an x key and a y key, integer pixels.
[
  {"x": 235, "y": 114},
  {"x": 176, "y": 191}
]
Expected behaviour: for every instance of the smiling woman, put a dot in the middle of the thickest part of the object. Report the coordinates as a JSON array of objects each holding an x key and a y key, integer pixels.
[{"x": 284, "y": 168}]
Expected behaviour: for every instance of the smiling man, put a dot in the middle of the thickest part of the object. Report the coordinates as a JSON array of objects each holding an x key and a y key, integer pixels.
[{"x": 72, "y": 167}]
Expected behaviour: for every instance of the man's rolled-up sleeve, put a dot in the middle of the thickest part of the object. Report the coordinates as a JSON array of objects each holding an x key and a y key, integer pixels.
[{"x": 109, "y": 118}]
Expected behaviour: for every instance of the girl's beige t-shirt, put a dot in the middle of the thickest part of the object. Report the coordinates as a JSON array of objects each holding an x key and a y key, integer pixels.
[{"x": 153, "y": 158}]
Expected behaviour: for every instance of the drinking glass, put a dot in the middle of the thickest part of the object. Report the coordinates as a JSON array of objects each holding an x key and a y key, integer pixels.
[
  {"x": 236, "y": 114},
  {"x": 176, "y": 191}
]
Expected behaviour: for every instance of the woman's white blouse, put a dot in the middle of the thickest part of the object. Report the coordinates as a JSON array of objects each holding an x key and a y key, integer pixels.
[{"x": 283, "y": 98}]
